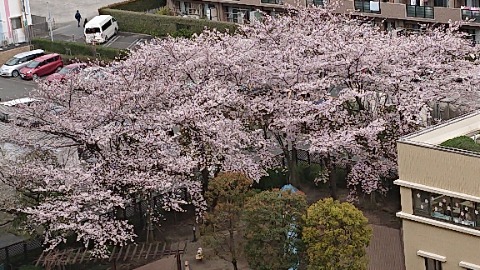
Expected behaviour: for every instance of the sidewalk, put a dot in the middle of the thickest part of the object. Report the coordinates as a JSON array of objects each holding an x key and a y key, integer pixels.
[
  {"x": 64, "y": 11},
  {"x": 69, "y": 32}
]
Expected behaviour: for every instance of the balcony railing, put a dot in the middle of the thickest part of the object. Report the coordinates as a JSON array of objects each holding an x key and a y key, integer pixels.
[
  {"x": 278, "y": 2},
  {"x": 367, "y": 6},
  {"x": 420, "y": 11},
  {"x": 469, "y": 14}
]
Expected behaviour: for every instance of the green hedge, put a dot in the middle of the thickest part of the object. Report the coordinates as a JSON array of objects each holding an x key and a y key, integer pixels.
[
  {"x": 78, "y": 49},
  {"x": 162, "y": 25},
  {"x": 462, "y": 142},
  {"x": 138, "y": 5}
]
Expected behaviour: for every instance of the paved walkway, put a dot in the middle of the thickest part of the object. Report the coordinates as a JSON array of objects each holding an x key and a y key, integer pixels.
[
  {"x": 386, "y": 250},
  {"x": 63, "y": 11}
]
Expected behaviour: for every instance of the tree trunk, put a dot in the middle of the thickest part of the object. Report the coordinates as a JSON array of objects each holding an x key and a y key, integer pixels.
[
  {"x": 332, "y": 182},
  {"x": 205, "y": 179},
  {"x": 232, "y": 246},
  {"x": 234, "y": 263},
  {"x": 373, "y": 199}
]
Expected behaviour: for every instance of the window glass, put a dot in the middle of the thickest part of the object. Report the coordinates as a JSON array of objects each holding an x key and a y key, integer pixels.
[
  {"x": 440, "y": 206},
  {"x": 421, "y": 203},
  {"x": 12, "y": 61},
  {"x": 33, "y": 64},
  {"x": 431, "y": 264},
  {"x": 106, "y": 25},
  {"x": 463, "y": 212},
  {"x": 16, "y": 23},
  {"x": 453, "y": 210},
  {"x": 92, "y": 30}
]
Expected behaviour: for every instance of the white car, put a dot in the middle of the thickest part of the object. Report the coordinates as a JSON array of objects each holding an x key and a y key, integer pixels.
[{"x": 12, "y": 67}]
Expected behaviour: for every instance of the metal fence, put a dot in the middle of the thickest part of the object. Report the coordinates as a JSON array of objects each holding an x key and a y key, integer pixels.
[{"x": 20, "y": 250}]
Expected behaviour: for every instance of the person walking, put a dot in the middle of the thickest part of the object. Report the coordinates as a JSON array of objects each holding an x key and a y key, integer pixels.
[
  {"x": 85, "y": 22},
  {"x": 78, "y": 17}
]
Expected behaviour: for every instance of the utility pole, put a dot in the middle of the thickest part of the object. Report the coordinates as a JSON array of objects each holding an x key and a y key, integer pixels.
[{"x": 50, "y": 22}]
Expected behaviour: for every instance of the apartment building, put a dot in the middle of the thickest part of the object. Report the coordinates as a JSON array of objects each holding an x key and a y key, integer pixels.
[
  {"x": 391, "y": 15},
  {"x": 14, "y": 15},
  {"x": 440, "y": 197}
]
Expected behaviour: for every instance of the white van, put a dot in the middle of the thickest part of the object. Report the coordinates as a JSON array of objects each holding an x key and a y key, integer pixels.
[{"x": 100, "y": 29}]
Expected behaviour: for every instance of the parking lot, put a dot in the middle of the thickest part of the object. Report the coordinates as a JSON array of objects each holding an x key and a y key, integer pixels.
[
  {"x": 126, "y": 40},
  {"x": 123, "y": 40}
]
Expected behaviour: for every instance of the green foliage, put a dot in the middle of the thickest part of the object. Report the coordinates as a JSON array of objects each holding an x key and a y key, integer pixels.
[
  {"x": 336, "y": 236},
  {"x": 160, "y": 25},
  {"x": 269, "y": 216},
  {"x": 165, "y": 11},
  {"x": 307, "y": 173},
  {"x": 78, "y": 49},
  {"x": 276, "y": 178},
  {"x": 138, "y": 5},
  {"x": 225, "y": 196},
  {"x": 462, "y": 142}
]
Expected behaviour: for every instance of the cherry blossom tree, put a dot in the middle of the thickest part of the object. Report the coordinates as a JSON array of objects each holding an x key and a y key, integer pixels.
[{"x": 179, "y": 111}]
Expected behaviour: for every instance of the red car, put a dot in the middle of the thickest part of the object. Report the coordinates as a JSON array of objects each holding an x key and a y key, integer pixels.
[
  {"x": 68, "y": 69},
  {"x": 42, "y": 66}
]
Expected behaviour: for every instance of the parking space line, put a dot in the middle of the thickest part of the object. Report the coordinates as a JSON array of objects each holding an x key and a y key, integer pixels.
[
  {"x": 110, "y": 41},
  {"x": 133, "y": 44}
]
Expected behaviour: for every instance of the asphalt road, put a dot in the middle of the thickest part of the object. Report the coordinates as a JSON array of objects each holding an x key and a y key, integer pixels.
[{"x": 12, "y": 88}]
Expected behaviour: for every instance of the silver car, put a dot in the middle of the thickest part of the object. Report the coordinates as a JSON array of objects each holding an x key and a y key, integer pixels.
[{"x": 12, "y": 67}]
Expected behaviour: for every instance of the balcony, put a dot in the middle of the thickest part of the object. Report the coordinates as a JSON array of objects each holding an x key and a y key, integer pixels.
[
  {"x": 277, "y": 2},
  {"x": 471, "y": 13},
  {"x": 367, "y": 6},
  {"x": 420, "y": 11}
]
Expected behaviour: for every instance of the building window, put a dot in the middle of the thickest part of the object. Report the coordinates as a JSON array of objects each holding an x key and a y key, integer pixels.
[
  {"x": 445, "y": 208},
  {"x": 431, "y": 264},
  {"x": 16, "y": 23}
]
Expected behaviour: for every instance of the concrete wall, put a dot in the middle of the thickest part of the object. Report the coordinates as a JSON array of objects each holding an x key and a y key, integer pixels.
[
  {"x": 453, "y": 245},
  {"x": 439, "y": 168},
  {"x": 5, "y": 55}
]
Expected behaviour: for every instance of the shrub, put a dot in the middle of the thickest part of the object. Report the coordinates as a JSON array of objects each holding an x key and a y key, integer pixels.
[
  {"x": 165, "y": 11},
  {"x": 138, "y": 5},
  {"x": 462, "y": 142},
  {"x": 161, "y": 25},
  {"x": 78, "y": 49},
  {"x": 276, "y": 178}
]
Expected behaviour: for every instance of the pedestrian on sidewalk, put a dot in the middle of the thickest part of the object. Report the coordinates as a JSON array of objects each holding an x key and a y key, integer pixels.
[
  {"x": 85, "y": 22},
  {"x": 78, "y": 17}
]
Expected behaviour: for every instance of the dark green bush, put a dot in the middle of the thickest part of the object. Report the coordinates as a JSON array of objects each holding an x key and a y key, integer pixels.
[
  {"x": 78, "y": 49},
  {"x": 462, "y": 142},
  {"x": 138, "y": 5},
  {"x": 276, "y": 178},
  {"x": 161, "y": 25},
  {"x": 307, "y": 173}
]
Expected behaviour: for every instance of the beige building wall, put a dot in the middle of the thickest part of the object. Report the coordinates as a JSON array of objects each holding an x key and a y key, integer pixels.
[
  {"x": 406, "y": 200},
  {"x": 439, "y": 168},
  {"x": 455, "y": 246}
]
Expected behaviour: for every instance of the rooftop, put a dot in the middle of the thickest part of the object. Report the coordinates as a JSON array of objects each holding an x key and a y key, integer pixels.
[{"x": 466, "y": 125}]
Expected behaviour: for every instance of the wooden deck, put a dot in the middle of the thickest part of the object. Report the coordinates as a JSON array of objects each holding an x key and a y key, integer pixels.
[{"x": 386, "y": 249}]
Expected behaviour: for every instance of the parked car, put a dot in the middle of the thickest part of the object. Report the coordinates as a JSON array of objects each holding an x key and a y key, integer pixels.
[
  {"x": 63, "y": 73},
  {"x": 41, "y": 66},
  {"x": 12, "y": 67},
  {"x": 100, "y": 29}
]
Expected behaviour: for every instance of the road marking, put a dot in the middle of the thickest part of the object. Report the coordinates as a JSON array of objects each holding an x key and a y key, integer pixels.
[
  {"x": 111, "y": 41},
  {"x": 134, "y": 43}
]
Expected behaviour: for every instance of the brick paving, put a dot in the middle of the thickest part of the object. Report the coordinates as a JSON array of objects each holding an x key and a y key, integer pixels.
[{"x": 386, "y": 250}]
